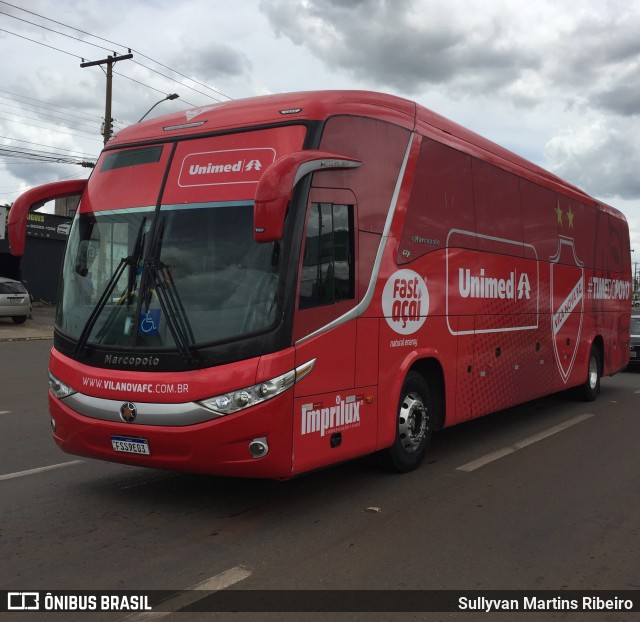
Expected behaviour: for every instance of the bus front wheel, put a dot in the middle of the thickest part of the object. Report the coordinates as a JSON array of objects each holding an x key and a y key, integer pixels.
[{"x": 414, "y": 420}]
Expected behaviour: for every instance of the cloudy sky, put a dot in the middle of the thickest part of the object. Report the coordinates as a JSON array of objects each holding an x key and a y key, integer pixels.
[{"x": 555, "y": 81}]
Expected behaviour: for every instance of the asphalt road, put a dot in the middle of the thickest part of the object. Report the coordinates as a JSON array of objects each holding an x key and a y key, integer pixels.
[{"x": 540, "y": 497}]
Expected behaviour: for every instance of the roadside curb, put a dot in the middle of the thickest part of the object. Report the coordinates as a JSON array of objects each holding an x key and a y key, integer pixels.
[
  {"x": 39, "y": 326},
  {"x": 35, "y": 338}
]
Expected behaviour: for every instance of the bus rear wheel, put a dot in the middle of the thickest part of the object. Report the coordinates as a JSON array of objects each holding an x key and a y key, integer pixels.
[
  {"x": 591, "y": 387},
  {"x": 413, "y": 424}
]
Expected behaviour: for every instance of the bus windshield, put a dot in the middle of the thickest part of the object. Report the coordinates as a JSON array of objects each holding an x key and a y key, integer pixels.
[{"x": 202, "y": 279}]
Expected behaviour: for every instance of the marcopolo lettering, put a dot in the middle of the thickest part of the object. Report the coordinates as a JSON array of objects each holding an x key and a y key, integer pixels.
[{"x": 133, "y": 361}]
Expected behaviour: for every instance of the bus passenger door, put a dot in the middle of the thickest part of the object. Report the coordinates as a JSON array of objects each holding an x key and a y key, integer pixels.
[{"x": 330, "y": 423}]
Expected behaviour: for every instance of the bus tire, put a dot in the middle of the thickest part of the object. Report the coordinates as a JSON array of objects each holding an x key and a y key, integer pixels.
[
  {"x": 414, "y": 420},
  {"x": 591, "y": 387}
]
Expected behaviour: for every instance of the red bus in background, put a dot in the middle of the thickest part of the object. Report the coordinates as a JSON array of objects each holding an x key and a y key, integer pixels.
[{"x": 267, "y": 286}]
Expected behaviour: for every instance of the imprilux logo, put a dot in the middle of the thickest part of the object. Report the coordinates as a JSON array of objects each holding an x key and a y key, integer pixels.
[{"x": 345, "y": 414}]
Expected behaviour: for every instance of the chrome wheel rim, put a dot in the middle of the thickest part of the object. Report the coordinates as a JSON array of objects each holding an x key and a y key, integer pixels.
[
  {"x": 412, "y": 422},
  {"x": 593, "y": 373}
]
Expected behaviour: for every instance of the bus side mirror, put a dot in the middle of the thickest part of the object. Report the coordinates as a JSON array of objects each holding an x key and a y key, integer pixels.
[
  {"x": 276, "y": 185},
  {"x": 17, "y": 221}
]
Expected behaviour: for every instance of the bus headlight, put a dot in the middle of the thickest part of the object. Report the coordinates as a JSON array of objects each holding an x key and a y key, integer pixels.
[
  {"x": 234, "y": 401},
  {"x": 58, "y": 388}
]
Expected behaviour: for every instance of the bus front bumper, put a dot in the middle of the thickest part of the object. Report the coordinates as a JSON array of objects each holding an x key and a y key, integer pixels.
[{"x": 256, "y": 442}]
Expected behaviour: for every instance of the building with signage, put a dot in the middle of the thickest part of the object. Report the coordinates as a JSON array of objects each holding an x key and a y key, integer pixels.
[{"x": 40, "y": 266}]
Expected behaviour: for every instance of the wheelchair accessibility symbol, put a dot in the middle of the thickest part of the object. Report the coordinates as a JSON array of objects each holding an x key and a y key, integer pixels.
[{"x": 150, "y": 322}]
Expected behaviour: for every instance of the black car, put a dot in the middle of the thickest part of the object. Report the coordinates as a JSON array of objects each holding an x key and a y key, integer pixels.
[{"x": 634, "y": 358}]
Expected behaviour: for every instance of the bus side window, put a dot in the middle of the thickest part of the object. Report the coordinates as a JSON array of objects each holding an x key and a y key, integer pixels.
[
  {"x": 441, "y": 200},
  {"x": 328, "y": 274},
  {"x": 498, "y": 209}
]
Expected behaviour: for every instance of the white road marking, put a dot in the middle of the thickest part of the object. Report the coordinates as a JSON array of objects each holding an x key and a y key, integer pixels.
[
  {"x": 190, "y": 595},
  {"x": 39, "y": 470},
  {"x": 5, "y": 412},
  {"x": 505, "y": 451}
]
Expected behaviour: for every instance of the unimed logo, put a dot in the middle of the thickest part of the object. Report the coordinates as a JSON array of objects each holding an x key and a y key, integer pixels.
[
  {"x": 235, "y": 166},
  {"x": 480, "y": 285}
]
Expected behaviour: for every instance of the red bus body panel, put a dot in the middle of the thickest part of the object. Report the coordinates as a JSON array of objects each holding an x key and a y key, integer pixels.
[{"x": 472, "y": 264}]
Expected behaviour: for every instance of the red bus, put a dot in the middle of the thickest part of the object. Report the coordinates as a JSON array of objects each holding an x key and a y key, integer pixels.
[{"x": 263, "y": 287}]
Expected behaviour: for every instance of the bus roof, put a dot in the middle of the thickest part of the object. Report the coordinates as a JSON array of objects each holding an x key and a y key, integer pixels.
[
  {"x": 270, "y": 109},
  {"x": 320, "y": 105}
]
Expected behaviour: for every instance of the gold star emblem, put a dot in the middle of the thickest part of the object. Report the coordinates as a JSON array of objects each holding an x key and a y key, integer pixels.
[
  {"x": 559, "y": 213},
  {"x": 570, "y": 216}
]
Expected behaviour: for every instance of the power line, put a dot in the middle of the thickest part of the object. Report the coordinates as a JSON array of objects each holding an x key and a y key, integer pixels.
[
  {"x": 176, "y": 81},
  {"x": 115, "y": 72},
  {"x": 28, "y": 142},
  {"x": 22, "y": 116},
  {"x": 147, "y": 86},
  {"x": 51, "y": 47},
  {"x": 41, "y": 156},
  {"x": 26, "y": 21},
  {"x": 47, "y": 104},
  {"x": 182, "y": 75},
  {"x": 75, "y": 122},
  {"x": 84, "y": 32},
  {"x": 86, "y": 136},
  {"x": 34, "y": 154},
  {"x": 124, "y": 47},
  {"x": 42, "y": 114}
]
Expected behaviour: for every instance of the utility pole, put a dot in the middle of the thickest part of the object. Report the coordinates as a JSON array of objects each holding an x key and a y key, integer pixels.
[{"x": 109, "y": 61}]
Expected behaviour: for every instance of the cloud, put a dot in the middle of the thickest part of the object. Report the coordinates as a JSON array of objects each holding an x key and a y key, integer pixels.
[
  {"x": 214, "y": 61},
  {"x": 407, "y": 46},
  {"x": 602, "y": 157},
  {"x": 584, "y": 54},
  {"x": 553, "y": 80},
  {"x": 31, "y": 175}
]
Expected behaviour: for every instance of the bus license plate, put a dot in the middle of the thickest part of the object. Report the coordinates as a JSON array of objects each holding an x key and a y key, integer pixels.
[{"x": 129, "y": 445}]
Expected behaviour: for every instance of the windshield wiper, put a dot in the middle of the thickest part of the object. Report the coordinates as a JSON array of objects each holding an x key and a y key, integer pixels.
[
  {"x": 169, "y": 299},
  {"x": 131, "y": 261}
]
